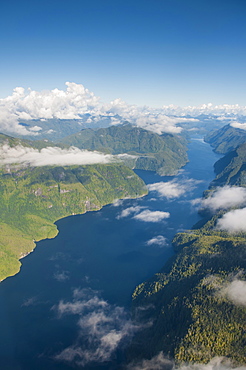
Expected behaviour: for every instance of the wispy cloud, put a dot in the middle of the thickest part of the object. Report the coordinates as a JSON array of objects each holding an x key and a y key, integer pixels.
[
  {"x": 160, "y": 362},
  {"x": 117, "y": 203},
  {"x": 61, "y": 276},
  {"x": 51, "y": 156},
  {"x": 151, "y": 216},
  {"x": 173, "y": 189},
  {"x": 159, "y": 240},
  {"x": 100, "y": 324},
  {"x": 129, "y": 211},
  {"x": 30, "y": 302}
]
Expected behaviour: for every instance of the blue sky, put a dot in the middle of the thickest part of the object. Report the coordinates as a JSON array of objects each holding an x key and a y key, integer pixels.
[{"x": 155, "y": 52}]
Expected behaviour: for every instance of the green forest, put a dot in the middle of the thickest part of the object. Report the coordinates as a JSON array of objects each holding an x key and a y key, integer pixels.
[
  {"x": 187, "y": 313},
  {"x": 165, "y": 154},
  {"x": 33, "y": 198}
]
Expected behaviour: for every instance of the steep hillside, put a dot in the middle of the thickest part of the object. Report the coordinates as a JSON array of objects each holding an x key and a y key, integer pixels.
[
  {"x": 32, "y": 199},
  {"x": 231, "y": 169},
  {"x": 38, "y": 144},
  {"x": 226, "y": 139},
  {"x": 191, "y": 315},
  {"x": 162, "y": 153}
]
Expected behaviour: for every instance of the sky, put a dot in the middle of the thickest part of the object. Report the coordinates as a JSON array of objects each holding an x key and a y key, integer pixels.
[{"x": 155, "y": 53}]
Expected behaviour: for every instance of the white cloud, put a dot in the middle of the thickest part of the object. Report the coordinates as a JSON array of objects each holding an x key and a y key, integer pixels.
[
  {"x": 50, "y": 156},
  {"x": 129, "y": 211},
  {"x": 236, "y": 292},
  {"x": 225, "y": 197},
  {"x": 233, "y": 221},
  {"x": 173, "y": 189},
  {"x": 100, "y": 324},
  {"x": 22, "y": 105},
  {"x": 143, "y": 215},
  {"x": 151, "y": 216},
  {"x": 159, "y": 240},
  {"x": 35, "y": 128},
  {"x": 159, "y": 362},
  {"x": 148, "y": 118},
  {"x": 224, "y": 110},
  {"x": 76, "y": 101},
  {"x": 242, "y": 126},
  {"x": 55, "y": 103}
]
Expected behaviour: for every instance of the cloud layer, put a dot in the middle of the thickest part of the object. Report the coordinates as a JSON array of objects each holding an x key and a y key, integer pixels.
[
  {"x": 76, "y": 101},
  {"x": 50, "y": 156}
]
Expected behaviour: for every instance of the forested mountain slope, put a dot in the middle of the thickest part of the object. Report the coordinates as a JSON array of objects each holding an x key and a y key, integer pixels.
[
  {"x": 37, "y": 144},
  {"x": 162, "y": 153},
  {"x": 231, "y": 169},
  {"x": 33, "y": 198},
  {"x": 226, "y": 139},
  {"x": 193, "y": 305}
]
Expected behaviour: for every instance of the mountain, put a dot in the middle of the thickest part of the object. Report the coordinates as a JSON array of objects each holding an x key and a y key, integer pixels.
[
  {"x": 57, "y": 129},
  {"x": 162, "y": 153},
  {"x": 186, "y": 308},
  {"x": 231, "y": 169},
  {"x": 37, "y": 144},
  {"x": 226, "y": 139},
  {"x": 33, "y": 198}
]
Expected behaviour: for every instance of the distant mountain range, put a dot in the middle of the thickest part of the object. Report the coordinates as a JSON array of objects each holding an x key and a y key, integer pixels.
[{"x": 56, "y": 129}]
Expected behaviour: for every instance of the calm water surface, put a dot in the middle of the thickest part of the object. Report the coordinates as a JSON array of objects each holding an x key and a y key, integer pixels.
[{"x": 68, "y": 308}]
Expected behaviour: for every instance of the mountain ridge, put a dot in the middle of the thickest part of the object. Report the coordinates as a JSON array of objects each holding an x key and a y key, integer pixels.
[
  {"x": 165, "y": 153},
  {"x": 226, "y": 139}
]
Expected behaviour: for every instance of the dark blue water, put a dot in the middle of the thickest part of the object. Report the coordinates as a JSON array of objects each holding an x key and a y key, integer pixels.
[{"x": 69, "y": 306}]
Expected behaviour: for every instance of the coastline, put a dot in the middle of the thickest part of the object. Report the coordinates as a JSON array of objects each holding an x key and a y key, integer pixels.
[{"x": 56, "y": 231}]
